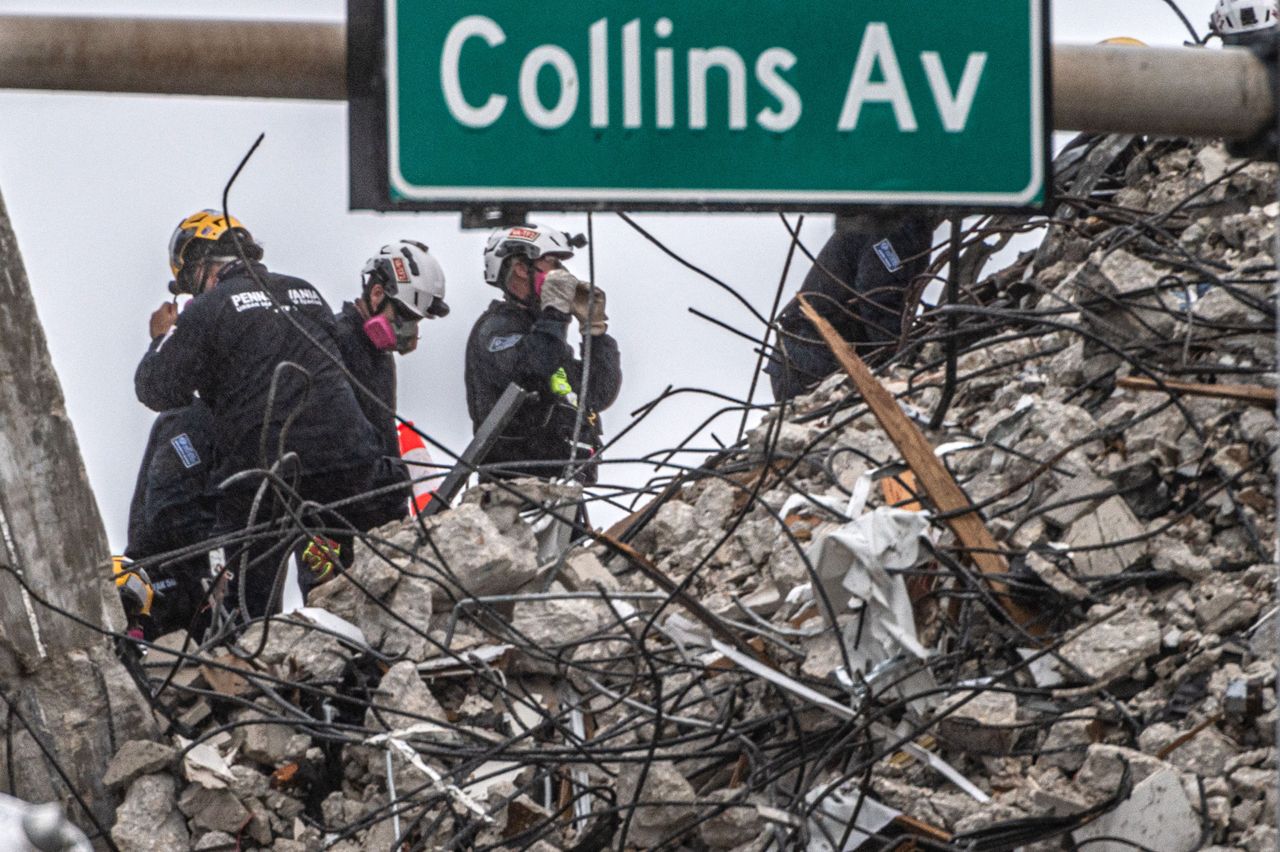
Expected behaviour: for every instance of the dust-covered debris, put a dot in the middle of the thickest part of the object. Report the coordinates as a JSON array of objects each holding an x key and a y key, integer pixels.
[{"x": 755, "y": 653}]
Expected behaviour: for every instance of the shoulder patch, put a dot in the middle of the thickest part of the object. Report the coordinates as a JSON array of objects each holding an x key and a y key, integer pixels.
[
  {"x": 186, "y": 451},
  {"x": 889, "y": 257},
  {"x": 506, "y": 341},
  {"x": 305, "y": 296}
]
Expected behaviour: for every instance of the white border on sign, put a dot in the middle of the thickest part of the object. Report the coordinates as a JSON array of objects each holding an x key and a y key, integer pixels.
[{"x": 538, "y": 195}]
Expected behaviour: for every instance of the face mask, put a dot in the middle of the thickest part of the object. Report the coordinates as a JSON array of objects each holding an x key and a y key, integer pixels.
[
  {"x": 380, "y": 333},
  {"x": 406, "y": 336}
]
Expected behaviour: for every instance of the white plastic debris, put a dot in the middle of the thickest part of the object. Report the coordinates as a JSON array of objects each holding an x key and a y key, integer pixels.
[
  {"x": 204, "y": 765},
  {"x": 831, "y": 818}
]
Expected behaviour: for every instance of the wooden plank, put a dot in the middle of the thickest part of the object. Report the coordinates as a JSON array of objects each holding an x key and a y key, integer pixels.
[
  {"x": 1252, "y": 394},
  {"x": 921, "y": 828},
  {"x": 932, "y": 475},
  {"x": 900, "y": 491}
]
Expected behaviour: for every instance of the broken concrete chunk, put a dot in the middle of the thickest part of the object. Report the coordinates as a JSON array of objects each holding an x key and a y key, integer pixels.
[
  {"x": 549, "y": 624},
  {"x": 738, "y": 824},
  {"x": 672, "y": 525},
  {"x": 261, "y": 736},
  {"x": 764, "y": 601},
  {"x": 1065, "y": 745},
  {"x": 401, "y": 689},
  {"x": 1173, "y": 555},
  {"x": 149, "y": 819},
  {"x": 1155, "y": 738},
  {"x": 1111, "y": 649},
  {"x": 471, "y": 557},
  {"x": 1055, "y": 578},
  {"x": 348, "y": 594},
  {"x": 1157, "y": 816},
  {"x": 400, "y": 631},
  {"x": 318, "y": 657},
  {"x": 1103, "y": 767},
  {"x": 664, "y": 804},
  {"x": 1077, "y": 492},
  {"x": 983, "y": 723},
  {"x": 583, "y": 572},
  {"x": 136, "y": 758},
  {"x": 216, "y": 810},
  {"x": 215, "y": 840},
  {"x": 1110, "y": 523},
  {"x": 1224, "y": 606},
  {"x": 1205, "y": 754},
  {"x": 1248, "y": 782}
]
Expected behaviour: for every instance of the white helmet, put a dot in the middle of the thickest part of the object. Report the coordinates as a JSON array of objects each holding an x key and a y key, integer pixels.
[
  {"x": 1232, "y": 17},
  {"x": 531, "y": 241},
  {"x": 410, "y": 275}
]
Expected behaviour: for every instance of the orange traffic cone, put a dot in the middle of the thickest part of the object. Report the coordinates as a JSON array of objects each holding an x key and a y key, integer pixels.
[{"x": 418, "y": 460}]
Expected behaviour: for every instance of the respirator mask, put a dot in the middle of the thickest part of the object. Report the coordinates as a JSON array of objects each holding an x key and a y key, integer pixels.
[{"x": 388, "y": 334}]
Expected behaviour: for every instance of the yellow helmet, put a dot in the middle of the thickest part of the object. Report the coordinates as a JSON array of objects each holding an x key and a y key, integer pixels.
[
  {"x": 208, "y": 227},
  {"x": 134, "y": 586},
  {"x": 1124, "y": 41}
]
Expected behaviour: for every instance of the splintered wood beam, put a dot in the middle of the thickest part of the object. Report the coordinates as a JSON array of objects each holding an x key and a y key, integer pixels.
[
  {"x": 1252, "y": 394},
  {"x": 933, "y": 476}
]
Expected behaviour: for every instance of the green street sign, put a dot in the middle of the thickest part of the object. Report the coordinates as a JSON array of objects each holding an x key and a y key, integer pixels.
[{"x": 620, "y": 104}]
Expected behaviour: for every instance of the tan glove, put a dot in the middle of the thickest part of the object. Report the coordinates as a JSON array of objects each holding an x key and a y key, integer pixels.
[
  {"x": 597, "y": 322},
  {"x": 558, "y": 289}
]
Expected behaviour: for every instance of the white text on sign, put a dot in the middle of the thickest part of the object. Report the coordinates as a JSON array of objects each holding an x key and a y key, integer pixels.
[{"x": 876, "y": 78}]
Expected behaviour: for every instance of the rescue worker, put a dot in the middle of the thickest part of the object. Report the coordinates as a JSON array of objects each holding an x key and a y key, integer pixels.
[
  {"x": 523, "y": 338},
  {"x": 858, "y": 284},
  {"x": 400, "y": 286},
  {"x": 173, "y": 508},
  {"x": 1253, "y": 25},
  {"x": 1245, "y": 23},
  {"x": 261, "y": 350}
]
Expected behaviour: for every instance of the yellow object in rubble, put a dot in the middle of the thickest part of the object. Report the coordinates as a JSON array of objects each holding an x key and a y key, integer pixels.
[{"x": 133, "y": 582}]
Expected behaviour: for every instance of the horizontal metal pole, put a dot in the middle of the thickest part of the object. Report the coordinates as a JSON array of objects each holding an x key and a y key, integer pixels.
[
  {"x": 1161, "y": 91},
  {"x": 1106, "y": 88},
  {"x": 169, "y": 56}
]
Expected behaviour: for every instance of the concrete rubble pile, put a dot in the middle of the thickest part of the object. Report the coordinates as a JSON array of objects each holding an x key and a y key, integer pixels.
[{"x": 783, "y": 647}]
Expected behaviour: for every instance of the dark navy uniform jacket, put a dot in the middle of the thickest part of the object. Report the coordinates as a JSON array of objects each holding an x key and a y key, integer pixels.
[
  {"x": 512, "y": 343},
  {"x": 228, "y": 344},
  {"x": 172, "y": 502},
  {"x": 374, "y": 369},
  {"x": 859, "y": 285}
]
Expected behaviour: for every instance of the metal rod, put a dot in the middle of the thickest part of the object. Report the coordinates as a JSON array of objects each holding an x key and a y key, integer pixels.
[
  {"x": 486, "y": 436},
  {"x": 1161, "y": 91},
  {"x": 1104, "y": 88},
  {"x": 953, "y": 321},
  {"x": 265, "y": 59}
]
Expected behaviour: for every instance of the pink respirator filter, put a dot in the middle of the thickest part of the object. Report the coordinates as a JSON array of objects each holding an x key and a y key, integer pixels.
[{"x": 380, "y": 333}]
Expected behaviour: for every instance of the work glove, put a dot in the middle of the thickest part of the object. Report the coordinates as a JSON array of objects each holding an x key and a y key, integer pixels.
[
  {"x": 321, "y": 556},
  {"x": 597, "y": 322},
  {"x": 558, "y": 289}
]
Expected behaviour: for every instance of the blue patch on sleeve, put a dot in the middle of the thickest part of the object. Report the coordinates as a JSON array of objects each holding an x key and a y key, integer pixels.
[
  {"x": 889, "y": 257},
  {"x": 186, "y": 451},
  {"x": 498, "y": 344}
]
